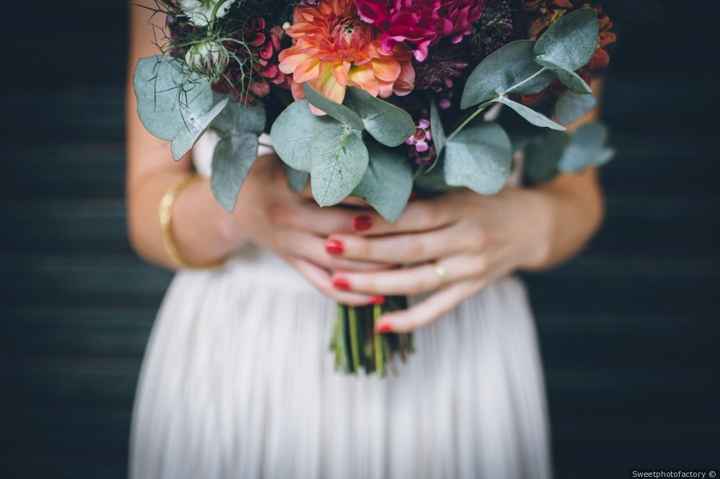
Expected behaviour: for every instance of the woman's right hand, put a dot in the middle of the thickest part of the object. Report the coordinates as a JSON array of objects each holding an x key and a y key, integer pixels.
[{"x": 272, "y": 216}]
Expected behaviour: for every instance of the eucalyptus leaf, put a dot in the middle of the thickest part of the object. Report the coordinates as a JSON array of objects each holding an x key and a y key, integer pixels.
[
  {"x": 340, "y": 112},
  {"x": 239, "y": 117},
  {"x": 167, "y": 96},
  {"x": 503, "y": 69},
  {"x": 186, "y": 137},
  {"x": 587, "y": 147},
  {"x": 605, "y": 157},
  {"x": 297, "y": 180},
  {"x": 480, "y": 158},
  {"x": 233, "y": 157},
  {"x": 339, "y": 162},
  {"x": 388, "y": 181},
  {"x": 572, "y": 80},
  {"x": 570, "y": 42},
  {"x": 531, "y": 115},
  {"x": 294, "y": 132},
  {"x": 542, "y": 155},
  {"x": 387, "y": 123},
  {"x": 238, "y": 127},
  {"x": 436, "y": 129},
  {"x": 432, "y": 181},
  {"x": 573, "y": 106}
]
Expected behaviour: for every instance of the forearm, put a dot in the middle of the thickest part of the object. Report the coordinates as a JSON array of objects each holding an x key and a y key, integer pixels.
[
  {"x": 569, "y": 211},
  {"x": 203, "y": 231}
]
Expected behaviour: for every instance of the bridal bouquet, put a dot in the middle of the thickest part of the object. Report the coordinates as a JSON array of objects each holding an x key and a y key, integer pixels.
[{"x": 377, "y": 99}]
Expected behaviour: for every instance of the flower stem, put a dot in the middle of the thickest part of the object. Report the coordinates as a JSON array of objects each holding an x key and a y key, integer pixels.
[
  {"x": 354, "y": 341},
  {"x": 378, "y": 343},
  {"x": 343, "y": 358},
  {"x": 470, "y": 118},
  {"x": 525, "y": 81},
  {"x": 486, "y": 104}
]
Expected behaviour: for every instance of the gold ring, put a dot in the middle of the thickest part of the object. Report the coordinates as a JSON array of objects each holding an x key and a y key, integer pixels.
[{"x": 440, "y": 271}]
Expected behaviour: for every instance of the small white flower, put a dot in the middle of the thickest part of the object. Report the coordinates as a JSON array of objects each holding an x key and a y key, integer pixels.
[
  {"x": 208, "y": 58},
  {"x": 200, "y": 12}
]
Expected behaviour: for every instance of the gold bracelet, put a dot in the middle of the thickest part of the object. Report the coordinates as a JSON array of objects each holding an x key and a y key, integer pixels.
[{"x": 166, "y": 224}]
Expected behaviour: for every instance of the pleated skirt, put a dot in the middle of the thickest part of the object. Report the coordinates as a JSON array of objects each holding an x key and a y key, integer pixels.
[{"x": 238, "y": 382}]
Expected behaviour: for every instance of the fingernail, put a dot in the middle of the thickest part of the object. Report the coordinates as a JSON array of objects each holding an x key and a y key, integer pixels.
[
  {"x": 362, "y": 223},
  {"x": 378, "y": 300},
  {"x": 384, "y": 328},
  {"x": 334, "y": 247},
  {"x": 413, "y": 195},
  {"x": 341, "y": 283}
]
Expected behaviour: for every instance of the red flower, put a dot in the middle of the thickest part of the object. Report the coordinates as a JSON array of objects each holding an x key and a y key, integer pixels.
[
  {"x": 420, "y": 23},
  {"x": 264, "y": 44}
]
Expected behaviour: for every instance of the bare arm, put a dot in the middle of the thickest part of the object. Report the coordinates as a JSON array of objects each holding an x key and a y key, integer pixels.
[
  {"x": 575, "y": 208},
  {"x": 203, "y": 230},
  {"x": 268, "y": 213}
]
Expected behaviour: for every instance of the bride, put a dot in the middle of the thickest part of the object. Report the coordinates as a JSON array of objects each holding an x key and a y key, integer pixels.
[{"x": 237, "y": 380}]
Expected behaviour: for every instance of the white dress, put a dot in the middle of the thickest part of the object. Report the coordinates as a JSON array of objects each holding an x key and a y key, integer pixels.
[{"x": 238, "y": 382}]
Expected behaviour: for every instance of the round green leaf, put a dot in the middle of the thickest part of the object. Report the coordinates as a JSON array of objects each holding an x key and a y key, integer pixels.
[
  {"x": 570, "y": 42},
  {"x": 297, "y": 180},
  {"x": 572, "y": 106},
  {"x": 238, "y": 126},
  {"x": 194, "y": 127},
  {"x": 587, "y": 148},
  {"x": 387, "y": 123},
  {"x": 573, "y": 81},
  {"x": 388, "y": 181},
  {"x": 339, "y": 161},
  {"x": 433, "y": 181},
  {"x": 294, "y": 132},
  {"x": 503, "y": 69},
  {"x": 167, "y": 96},
  {"x": 340, "y": 112},
  {"x": 542, "y": 155},
  {"x": 232, "y": 159},
  {"x": 239, "y": 117},
  {"x": 479, "y": 158}
]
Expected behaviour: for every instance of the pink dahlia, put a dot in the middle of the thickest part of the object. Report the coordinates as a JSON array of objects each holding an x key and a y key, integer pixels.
[{"x": 420, "y": 23}]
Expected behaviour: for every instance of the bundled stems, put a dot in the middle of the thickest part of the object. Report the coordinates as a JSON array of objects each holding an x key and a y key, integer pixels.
[{"x": 357, "y": 346}]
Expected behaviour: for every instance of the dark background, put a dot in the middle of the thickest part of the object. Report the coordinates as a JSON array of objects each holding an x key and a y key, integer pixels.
[{"x": 629, "y": 329}]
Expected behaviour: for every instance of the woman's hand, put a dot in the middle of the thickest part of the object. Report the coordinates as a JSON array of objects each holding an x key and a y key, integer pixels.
[
  {"x": 273, "y": 216},
  {"x": 455, "y": 244}
]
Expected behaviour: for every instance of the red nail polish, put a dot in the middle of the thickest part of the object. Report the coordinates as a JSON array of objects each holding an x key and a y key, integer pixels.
[
  {"x": 378, "y": 300},
  {"x": 362, "y": 223},
  {"x": 334, "y": 247},
  {"x": 341, "y": 283},
  {"x": 413, "y": 196},
  {"x": 384, "y": 328}
]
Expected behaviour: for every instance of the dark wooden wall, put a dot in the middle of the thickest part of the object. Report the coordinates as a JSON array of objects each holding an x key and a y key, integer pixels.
[{"x": 629, "y": 329}]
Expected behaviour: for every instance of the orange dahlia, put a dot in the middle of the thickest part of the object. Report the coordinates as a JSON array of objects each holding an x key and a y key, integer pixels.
[{"x": 333, "y": 49}]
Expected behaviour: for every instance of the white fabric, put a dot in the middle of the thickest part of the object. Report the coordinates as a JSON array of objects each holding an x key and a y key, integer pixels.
[
  {"x": 238, "y": 382},
  {"x": 202, "y": 151}
]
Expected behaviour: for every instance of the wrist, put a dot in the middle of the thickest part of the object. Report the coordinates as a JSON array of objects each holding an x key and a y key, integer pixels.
[
  {"x": 230, "y": 233},
  {"x": 205, "y": 231},
  {"x": 536, "y": 228}
]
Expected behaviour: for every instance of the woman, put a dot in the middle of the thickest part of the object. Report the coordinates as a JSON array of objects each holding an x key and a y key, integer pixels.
[{"x": 237, "y": 380}]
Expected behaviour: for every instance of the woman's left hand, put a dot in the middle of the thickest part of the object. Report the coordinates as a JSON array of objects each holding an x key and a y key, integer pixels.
[{"x": 454, "y": 245}]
